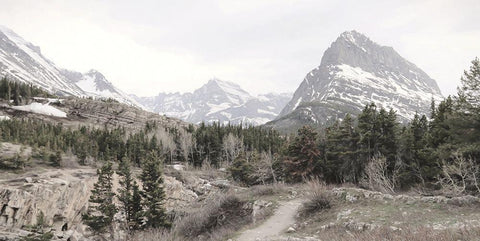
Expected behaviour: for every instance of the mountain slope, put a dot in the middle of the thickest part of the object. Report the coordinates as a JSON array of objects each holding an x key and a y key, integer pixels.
[
  {"x": 24, "y": 62},
  {"x": 217, "y": 101},
  {"x": 356, "y": 71},
  {"x": 94, "y": 84}
]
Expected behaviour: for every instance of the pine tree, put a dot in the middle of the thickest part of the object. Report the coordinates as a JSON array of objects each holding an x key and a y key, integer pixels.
[
  {"x": 368, "y": 131},
  {"x": 469, "y": 91},
  {"x": 342, "y": 162},
  {"x": 56, "y": 159},
  {"x": 16, "y": 94},
  {"x": 101, "y": 210},
  {"x": 153, "y": 193},
  {"x": 136, "y": 209},
  {"x": 303, "y": 155},
  {"x": 131, "y": 205},
  {"x": 387, "y": 137}
]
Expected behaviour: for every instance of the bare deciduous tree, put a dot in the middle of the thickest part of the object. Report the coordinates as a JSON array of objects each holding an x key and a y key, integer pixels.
[
  {"x": 263, "y": 169},
  {"x": 232, "y": 146},
  {"x": 376, "y": 175},
  {"x": 186, "y": 143},
  {"x": 167, "y": 142},
  {"x": 459, "y": 176}
]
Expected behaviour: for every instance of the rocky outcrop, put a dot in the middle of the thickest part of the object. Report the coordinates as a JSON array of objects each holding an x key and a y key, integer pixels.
[
  {"x": 61, "y": 195},
  {"x": 96, "y": 113},
  {"x": 356, "y": 194}
]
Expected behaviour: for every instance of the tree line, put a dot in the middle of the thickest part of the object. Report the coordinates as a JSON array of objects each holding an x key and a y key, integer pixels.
[{"x": 439, "y": 150}]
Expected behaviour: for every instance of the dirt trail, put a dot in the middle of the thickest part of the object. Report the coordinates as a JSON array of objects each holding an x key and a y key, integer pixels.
[{"x": 280, "y": 221}]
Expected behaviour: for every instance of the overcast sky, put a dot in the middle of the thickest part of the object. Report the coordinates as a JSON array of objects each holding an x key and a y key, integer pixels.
[{"x": 150, "y": 46}]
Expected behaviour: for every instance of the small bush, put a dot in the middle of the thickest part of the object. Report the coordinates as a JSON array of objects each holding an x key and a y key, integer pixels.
[
  {"x": 221, "y": 212},
  {"x": 241, "y": 171},
  {"x": 318, "y": 199}
]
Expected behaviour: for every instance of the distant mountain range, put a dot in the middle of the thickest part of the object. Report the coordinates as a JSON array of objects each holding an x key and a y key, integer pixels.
[
  {"x": 24, "y": 62},
  {"x": 220, "y": 101},
  {"x": 356, "y": 71}
]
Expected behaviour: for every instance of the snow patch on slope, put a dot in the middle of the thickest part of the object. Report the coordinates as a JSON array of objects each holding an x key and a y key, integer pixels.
[{"x": 39, "y": 108}]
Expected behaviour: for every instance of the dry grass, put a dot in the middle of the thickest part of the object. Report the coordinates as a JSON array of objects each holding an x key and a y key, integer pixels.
[
  {"x": 226, "y": 210},
  {"x": 219, "y": 217},
  {"x": 268, "y": 190},
  {"x": 318, "y": 198},
  {"x": 405, "y": 233},
  {"x": 156, "y": 234}
]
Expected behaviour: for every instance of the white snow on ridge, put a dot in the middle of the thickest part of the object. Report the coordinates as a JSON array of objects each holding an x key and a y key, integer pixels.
[
  {"x": 298, "y": 103},
  {"x": 216, "y": 108},
  {"x": 266, "y": 112},
  {"x": 87, "y": 84},
  {"x": 50, "y": 78},
  {"x": 233, "y": 88},
  {"x": 361, "y": 77},
  {"x": 39, "y": 108}
]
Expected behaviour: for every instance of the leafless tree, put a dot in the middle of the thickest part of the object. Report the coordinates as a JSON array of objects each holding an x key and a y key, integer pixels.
[
  {"x": 459, "y": 176},
  {"x": 263, "y": 168},
  {"x": 232, "y": 146},
  {"x": 167, "y": 142},
  {"x": 376, "y": 175},
  {"x": 186, "y": 143}
]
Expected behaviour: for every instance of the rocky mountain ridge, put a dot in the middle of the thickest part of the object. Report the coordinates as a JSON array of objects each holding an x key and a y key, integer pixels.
[
  {"x": 23, "y": 61},
  {"x": 354, "y": 72},
  {"x": 219, "y": 101}
]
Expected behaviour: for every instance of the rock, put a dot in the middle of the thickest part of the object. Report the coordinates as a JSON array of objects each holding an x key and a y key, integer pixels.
[
  {"x": 177, "y": 194},
  {"x": 464, "y": 200},
  {"x": 292, "y": 193},
  {"x": 291, "y": 230},
  {"x": 258, "y": 208},
  {"x": 60, "y": 204},
  {"x": 387, "y": 197},
  {"x": 178, "y": 167},
  {"x": 221, "y": 183},
  {"x": 393, "y": 228},
  {"x": 28, "y": 180},
  {"x": 351, "y": 198},
  {"x": 76, "y": 236}
]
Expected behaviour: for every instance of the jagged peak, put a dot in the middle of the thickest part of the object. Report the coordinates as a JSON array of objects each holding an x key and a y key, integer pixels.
[
  {"x": 17, "y": 39},
  {"x": 218, "y": 81},
  {"x": 354, "y": 37},
  {"x": 93, "y": 71},
  {"x": 98, "y": 76}
]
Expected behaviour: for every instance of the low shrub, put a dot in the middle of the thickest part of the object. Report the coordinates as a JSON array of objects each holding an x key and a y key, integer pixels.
[
  {"x": 318, "y": 199},
  {"x": 221, "y": 212}
]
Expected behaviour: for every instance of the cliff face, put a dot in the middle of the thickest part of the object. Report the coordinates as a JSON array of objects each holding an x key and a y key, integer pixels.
[{"x": 61, "y": 195}]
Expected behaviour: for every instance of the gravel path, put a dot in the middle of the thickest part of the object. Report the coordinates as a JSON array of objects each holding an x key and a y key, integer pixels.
[{"x": 279, "y": 222}]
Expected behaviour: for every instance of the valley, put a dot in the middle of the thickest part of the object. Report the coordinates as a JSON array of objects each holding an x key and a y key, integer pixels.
[{"x": 366, "y": 148}]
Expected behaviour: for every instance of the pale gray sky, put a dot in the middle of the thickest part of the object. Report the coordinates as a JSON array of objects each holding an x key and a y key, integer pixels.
[{"x": 150, "y": 46}]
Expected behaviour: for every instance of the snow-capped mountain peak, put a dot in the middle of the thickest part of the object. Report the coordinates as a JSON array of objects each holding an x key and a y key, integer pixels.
[
  {"x": 218, "y": 100},
  {"x": 224, "y": 91},
  {"x": 356, "y": 71},
  {"x": 23, "y": 61}
]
